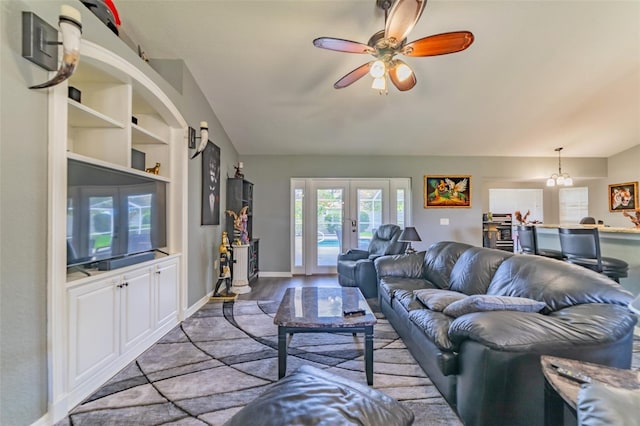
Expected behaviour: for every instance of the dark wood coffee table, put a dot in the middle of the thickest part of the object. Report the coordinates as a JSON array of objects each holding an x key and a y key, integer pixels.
[
  {"x": 320, "y": 310},
  {"x": 560, "y": 390}
]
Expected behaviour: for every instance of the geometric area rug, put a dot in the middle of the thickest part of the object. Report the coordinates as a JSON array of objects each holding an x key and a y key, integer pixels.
[{"x": 225, "y": 355}]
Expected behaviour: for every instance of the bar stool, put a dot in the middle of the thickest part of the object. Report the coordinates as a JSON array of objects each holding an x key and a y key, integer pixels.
[
  {"x": 528, "y": 238},
  {"x": 582, "y": 247}
]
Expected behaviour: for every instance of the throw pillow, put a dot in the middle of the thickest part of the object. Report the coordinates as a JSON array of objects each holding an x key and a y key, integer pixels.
[
  {"x": 599, "y": 404},
  {"x": 483, "y": 302},
  {"x": 437, "y": 299}
]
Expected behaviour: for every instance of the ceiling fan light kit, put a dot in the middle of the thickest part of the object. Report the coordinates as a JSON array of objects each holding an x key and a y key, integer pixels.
[{"x": 400, "y": 18}]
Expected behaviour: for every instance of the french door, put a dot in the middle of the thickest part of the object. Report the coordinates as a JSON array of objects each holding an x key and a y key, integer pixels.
[{"x": 329, "y": 216}]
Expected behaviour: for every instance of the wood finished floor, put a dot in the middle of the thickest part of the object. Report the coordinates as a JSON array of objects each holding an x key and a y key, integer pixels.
[{"x": 273, "y": 288}]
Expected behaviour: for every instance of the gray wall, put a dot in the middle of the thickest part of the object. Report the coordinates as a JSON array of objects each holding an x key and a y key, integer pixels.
[
  {"x": 271, "y": 176},
  {"x": 23, "y": 202},
  {"x": 23, "y": 229},
  {"x": 623, "y": 167},
  {"x": 203, "y": 240}
]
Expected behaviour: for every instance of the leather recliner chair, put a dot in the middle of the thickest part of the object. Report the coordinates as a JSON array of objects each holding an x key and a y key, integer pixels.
[{"x": 355, "y": 267}]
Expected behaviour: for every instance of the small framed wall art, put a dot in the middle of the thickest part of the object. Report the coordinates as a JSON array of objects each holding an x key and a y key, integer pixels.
[
  {"x": 211, "y": 185},
  {"x": 623, "y": 196},
  {"x": 447, "y": 191}
]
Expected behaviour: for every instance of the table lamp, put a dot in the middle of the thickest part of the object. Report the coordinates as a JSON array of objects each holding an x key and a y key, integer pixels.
[{"x": 408, "y": 235}]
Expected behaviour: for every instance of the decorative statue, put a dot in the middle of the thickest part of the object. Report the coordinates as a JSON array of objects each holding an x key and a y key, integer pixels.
[
  {"x": 155, "y": 169},
  {"x": 522, "y": 220},
  {"x": 634, "y": 219},
  {"x": 239, "y": 174},
  {"x": 244, "y": 219},
  {"x": 240, "y": 220},
  {"x": 225, "y": 270}
]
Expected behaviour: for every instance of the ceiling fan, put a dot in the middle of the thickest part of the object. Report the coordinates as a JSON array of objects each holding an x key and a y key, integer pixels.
[{"x": 400, "y": 18}]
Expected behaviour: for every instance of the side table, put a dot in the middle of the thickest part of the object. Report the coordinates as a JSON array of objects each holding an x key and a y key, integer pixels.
[{"x": 560, "y": 391}]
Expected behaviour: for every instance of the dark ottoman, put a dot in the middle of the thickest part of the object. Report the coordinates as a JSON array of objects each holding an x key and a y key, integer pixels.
[{"x": 310, "y": 396}]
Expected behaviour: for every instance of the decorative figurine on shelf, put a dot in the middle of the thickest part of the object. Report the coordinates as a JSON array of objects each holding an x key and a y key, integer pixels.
[
  {"x": 240, "y": 221},
  {"x": 522, "y": 220},
  {"x": 244, "y": 220},
  {"x": 239, "y": 174},
  {"x": 635, "y": 219},
  {"x": 155, "y": 169},
  {"x": 225, "y": 269}
]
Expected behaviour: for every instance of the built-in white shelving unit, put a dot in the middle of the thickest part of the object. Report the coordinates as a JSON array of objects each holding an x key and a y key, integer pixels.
[{"x": 101, "y": 322}]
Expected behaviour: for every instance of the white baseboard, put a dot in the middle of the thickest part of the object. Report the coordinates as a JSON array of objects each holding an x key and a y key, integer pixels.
[
  {"x": 275, "y": 274},
  {"x": 43, "y": 421},
  {"x": 196, "y": 306}
]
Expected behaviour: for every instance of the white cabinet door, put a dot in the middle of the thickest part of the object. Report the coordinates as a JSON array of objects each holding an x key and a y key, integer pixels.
[
  {"x": 136, "y": 309},
  {"x": 94, "y": 322},
  {"x": 167, "y": 292}
]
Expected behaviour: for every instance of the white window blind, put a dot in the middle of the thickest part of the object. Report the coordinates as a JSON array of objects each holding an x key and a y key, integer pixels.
[{"x": 574, "y": 204}]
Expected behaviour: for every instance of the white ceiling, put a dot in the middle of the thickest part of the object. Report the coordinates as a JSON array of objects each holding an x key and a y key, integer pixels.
[{"x": 540, "y": 75}]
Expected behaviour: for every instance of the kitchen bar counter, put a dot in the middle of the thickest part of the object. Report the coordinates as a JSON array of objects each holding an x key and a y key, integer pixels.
[
  {"x": 601, "y": 228},
  {"x": 621, "y": 243}
]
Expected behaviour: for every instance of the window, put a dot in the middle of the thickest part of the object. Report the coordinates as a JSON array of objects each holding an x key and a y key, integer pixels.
[{"x": 574, "y": 204}]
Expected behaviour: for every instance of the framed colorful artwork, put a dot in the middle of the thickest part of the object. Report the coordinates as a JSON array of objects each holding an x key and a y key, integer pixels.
[
  {"x": 623, "y": 196},
  {"x": 447, "y": 191},
  {"x": 211, "y": 185}
]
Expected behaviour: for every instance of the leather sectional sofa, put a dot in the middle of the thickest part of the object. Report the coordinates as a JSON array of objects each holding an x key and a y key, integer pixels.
[{"x": 452, "y": 306}]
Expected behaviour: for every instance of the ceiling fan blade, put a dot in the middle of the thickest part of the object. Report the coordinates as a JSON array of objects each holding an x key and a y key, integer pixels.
[
  {"x": 402, "y": 18},
  {"x": 402, "y": 76},
  {"x": 341, "y": 45},
  {"x": 353, "y": 76},
  {"x": 439, "y": 44}
]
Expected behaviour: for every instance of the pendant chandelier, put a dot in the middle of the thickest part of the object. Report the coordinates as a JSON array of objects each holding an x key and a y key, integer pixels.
[{"x": 559, "y": 179}]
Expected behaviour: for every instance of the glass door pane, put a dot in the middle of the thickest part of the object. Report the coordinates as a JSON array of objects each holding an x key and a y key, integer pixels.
[
  {"x": 400, "y": 207},
  {"x": 329, "y": 215},
  {"x": 298, "y": 228},
  {"x": 368, "y": 210},
  {"x": 369, "y": 214}
]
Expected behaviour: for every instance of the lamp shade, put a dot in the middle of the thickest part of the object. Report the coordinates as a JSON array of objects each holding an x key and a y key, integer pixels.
[{"x": 409, "y": 234}]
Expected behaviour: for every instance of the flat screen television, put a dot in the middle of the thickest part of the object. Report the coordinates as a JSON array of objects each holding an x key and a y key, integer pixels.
[{"x": 112, "y": 214}]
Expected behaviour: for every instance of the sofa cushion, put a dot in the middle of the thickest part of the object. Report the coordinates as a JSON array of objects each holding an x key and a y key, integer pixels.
[
  {"x": 437, "y": 299},
  {"x": 389, "y": 285},
  {"x": 407, "y": 299},
  {"x": 474, "y": 269},
  {"x": 581, "y": 326},
  {"x": 483, "y": 303},
  {"x": 435, "y": 325},
  {"x": 558, "y": 284},
  {"x": 440, "y": 260},
  {"x": 599, "y": 405},
  {"x": 312, "y": 396},
  {"x": 401, "y": 265}
]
